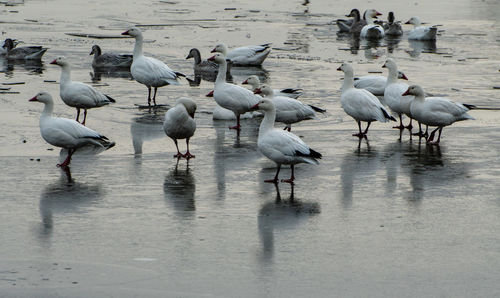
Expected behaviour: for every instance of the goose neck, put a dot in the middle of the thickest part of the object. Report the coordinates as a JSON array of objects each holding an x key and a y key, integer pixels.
[
  {"x": 268, "y": 121},
  {"x": 138, "y": 46},
  {"x": 47, "y": 110},
  {"x": 392, "y": 77},
  {"x": 65, "y": 74},
  {"x": 348, "y": 81},
  {"x": 221, "y": 75}
]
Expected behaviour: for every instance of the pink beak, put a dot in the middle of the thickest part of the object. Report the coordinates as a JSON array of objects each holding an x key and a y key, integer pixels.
[
  {"x": 408, "y": 22},
  {"x": 125, "y": 33},
  {"x": 34, "y": 99},
  {"x": 255, "y": 107},
  {"x": 257, "y": 91},
  {"x": 213, "y": 51},
  {"x": 405, "y": 77},
  {"x": 211, "y": 58},
  {"x": 245, "y": 82},
  {"x": 407, "y": 92},
  {"x": 53, "y": 62},
  {"x": 383, "y": 66},
  {"x": 378, "y": 13},
  {"x": 210, "y": 94}
]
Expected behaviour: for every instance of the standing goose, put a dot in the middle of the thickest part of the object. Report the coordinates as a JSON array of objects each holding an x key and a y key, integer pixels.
[
  {"x": 230, "y": 96},
  {"x": 398, "y": 103},
  {"x": 66, "y": 133},
  {"x": 375, "y": 83},
  {"x": 281, "y": 146},
  {"x": 288, "y": 110},
  {"x": 109, "y": 60},
  {"x": 436, "y": 111},
  {"x": 249, "y": 55},
  {"x": 359, "y": 103},
  {"x": 420, "y": 32},
  {"x": 372, "y": 30},
  {"x": 392, "y": 28},
  {"x": 147, "y": 70},
  {"x": 179, "y": 123},
  {"x": 254, "y": 81},
  {"x": 77, "y": 94},
  {"x": 22, "y": 53}
]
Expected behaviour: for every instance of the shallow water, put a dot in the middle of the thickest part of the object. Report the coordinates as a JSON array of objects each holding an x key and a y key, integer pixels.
[{"x": 378, "y": 218}]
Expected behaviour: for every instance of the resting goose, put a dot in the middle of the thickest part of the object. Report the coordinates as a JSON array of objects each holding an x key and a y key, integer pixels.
[
  {"x": 66, "y": 133},
  {"x": 249, "y": 55},
  {"x": 375, "y": 83},
  {"x": 372, "y": 30},
  {"x": 397, "y": 103},
  {"x": 392, "y": 28},
  {"x": 202, "y": 65},
  {"x": 147, "y": 70},
  {"x": 436, "y": 111},
  {"x": 288, "y": 110},
  {"x": 357, "y": 23},
  {"x": 22, "y": 53},
  {"x": 179, "y": 123},
  {"x": 420, "y": 32},
  {"x": 281, "y": 146},
  {"x": 77, "y": 94},
  {"x": 359, "y": 103},
  {"x": 230, "y": 96},
  {"x": 109, "y": 60},
  {"x": 254, "y": 81}
]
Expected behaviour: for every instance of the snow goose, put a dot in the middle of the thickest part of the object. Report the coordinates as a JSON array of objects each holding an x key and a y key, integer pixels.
[
  {"x": 392, "y": 95},
  {"x": 436, "y": 111},
  {"x": 281, "y": 146},
  {"x": 22, "y": 53},
  {"x": 375, "y": 83},
  {"x": 288, "y": 110},
  {"x": 77, "y": 94},
  {"x": 254, "y": 81},
  {"x": 230, "y": 96},
  {"x": 220, "y": 113},
  {"x": 420, "y": 32},
  {"x": 179, "y": 123},
  {"x": 392, "y": 28},
  {"x": 359, "y": 103},
  {"x": 66, "y": 133},
  {"x": 372, "y": 30},
  {"x": 109, "y": 60},
  {"x": 147, "y": 70},
  {"x": 249, "y": 55}
]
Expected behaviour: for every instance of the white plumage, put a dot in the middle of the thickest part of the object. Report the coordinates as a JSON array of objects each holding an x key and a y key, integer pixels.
[
  {"x": 77, "y": 94},
  {"x": 375, "y": 83},
  {"x": 254, "y": 81},
  {"x": 248, "y": 55},
  {"x": 393, "y": 97},
  {"x": 230, "y": 96},
  {"x": 281, "y": 146},
  {"x": 359, "y": 103},
  {"x": 420, "y": 32},
  {"x": 179, "y": 123},
  {"x": 372, "y": 30},
  {"x": 147, "y": 70},
  {"x": 436, "y": 111},
  {"x": 66, "y": 133}
]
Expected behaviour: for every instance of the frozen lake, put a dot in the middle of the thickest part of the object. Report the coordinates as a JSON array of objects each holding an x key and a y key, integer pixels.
[{"x": 378, "y": 218}]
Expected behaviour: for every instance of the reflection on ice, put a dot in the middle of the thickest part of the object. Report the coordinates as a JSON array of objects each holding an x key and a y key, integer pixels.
[
  {"x": 99, "y": 73},
  {"x": 8, "y": 66},
  {"x": 146, "y": 128},
  {"x": 421, "y": 46},
  {"x": 179, "y": 188}
]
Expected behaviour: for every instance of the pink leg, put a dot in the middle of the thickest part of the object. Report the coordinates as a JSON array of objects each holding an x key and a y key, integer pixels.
[
  {"x": 275, "y": 180},
  {"x": 179, "y": 154},
  {"x": 68, "y": 158},
  {"x": 360, "y": 134},
  {"x": 149, "y": 96},
  {"x": 409, "y": 126},
  {"x": 292, "y": 177},
  {"x": 188, "y": 155},
  {"x": 400, "y": 126},
  {"x": 237, "y": 126},
  {"x": 431, "y": 138},
  {"x": 154, "y": 96}
]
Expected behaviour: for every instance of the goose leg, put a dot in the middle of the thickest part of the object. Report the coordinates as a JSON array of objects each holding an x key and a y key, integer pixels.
[
  {"x": 84, "y": 116},
  {"x": 292, "y": 177},
  {"x": 179, "y": 154},
  {"x": 366, "y": 130},
  {"x": 77, "y": 114},
  {"x": 400, "y": 126},
  {"x": 439, "y": 136},
  {"x": 188, "y": 155},
  {"x": 409, "y": 126},
  {"x": 149, "y": 96},
  {"x": 68, "y": 158},
  {"x": 275, "y": 180},
  {"x": 360, "y": 134},
  {"x": 154, "y": 96},
  {"x": 430, "y": 140},
  {"x": 237, "y": 126}
]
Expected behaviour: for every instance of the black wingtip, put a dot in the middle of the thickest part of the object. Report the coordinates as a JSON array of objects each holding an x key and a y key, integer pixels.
[
  {"x": 315, "y": 154},
  {"x": 110, "y": 98},
  {"x": 470, "y": 107},
  {"x": 316, "y": 109},
  {"x": 180, "y": 74},
  {"x": 386, "y": 115}
]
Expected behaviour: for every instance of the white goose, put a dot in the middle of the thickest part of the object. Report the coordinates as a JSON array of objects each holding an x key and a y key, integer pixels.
[
  {"x": 254, "y": 81},
  {"x": 77, "y": 94},
  {"x": 147, "y": 70},
  {"x": 420, "y": 32},
  {"x": 281, "y": 146},
  {"x": 375, "y": 83},
  {"x": 436, "y": 111},
  {"x": 288, "y": 110},
  {"x": 66, "y": 133},
  {"x": 399, "y": 104},
  {"x": 359, "y": 103},
  {"x": 230, "y": 96},
  {"x": 372, "y": 30},
  {"x": 249, "y": 55},
  {"x": 179, "y": 123}
]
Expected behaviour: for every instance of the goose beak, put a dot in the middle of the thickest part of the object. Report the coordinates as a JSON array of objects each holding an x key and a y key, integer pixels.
[
  {"x": 34, "y": 99},
  {"x": 211, "y": 58},
  {"x": 192, "y": 115},
  {"x": 255, "y": 107},
  {"x": 213, "y": 51},
  {"x": 210, "y": 94},
  {"x": 408, "y": 22},
  {"x": 125, "y": 33},
  {"x": 53, "y": 61},
  {"x": 378, "y": 13},
  {"x": 257, "y": 91},
  {"x": 189, "y": 56},
  {"x": 407, "y": 92},
  {"x": 245, "y": 82},
  {"x": 404, "y": 77},
  {"x": 340, "y": 68},
  {"x": 383, "y": 66}
]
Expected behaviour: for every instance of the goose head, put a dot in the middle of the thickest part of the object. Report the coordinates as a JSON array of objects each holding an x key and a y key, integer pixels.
[
  {"x": 265, "y": 90},
  {"x": 189, "y": 104},
  {"x": 372, "y": 13},
  {"x": 220, "y": 48},
  {"x": 9, "y": 44},
  {"x": 346, "y": 68},
  {"x": 217, "y": 58},
  {"x": 263, "y": 105},
  {"x": 95, "y": 50},
  {"x": 391, "y": 65},
  {"x": 390, "y": 17},
  {"x": 210, "y": 94},
  {"x": 415, "y": 21},
  {"x": 354, "y": 14},
  {"x": 194, "y": 53},
  {"x": 43, "y": 97},
  {"x": 415, "y": 90},
  {"x": 61, "y": 61},
  {"x": 133, "y": 31},
  {"x": 252, "y": 80}
]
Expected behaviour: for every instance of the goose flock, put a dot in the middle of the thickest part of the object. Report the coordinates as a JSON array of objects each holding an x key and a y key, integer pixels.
[{"x": 358, "y": 95}]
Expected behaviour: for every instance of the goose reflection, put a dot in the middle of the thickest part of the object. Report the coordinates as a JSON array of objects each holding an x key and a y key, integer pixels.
[
  {"x": 145, "y": 128},
  {"x": 282, "y": 215},
  {"x": 179, "y": 188},
  {"x": 8, "y": 66},
  {"x": 65, "y": 196},
  {"x": 110, "y": 72},
  {"x": 421, "y": 46},
  {"x": 241, "y": 73}
]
